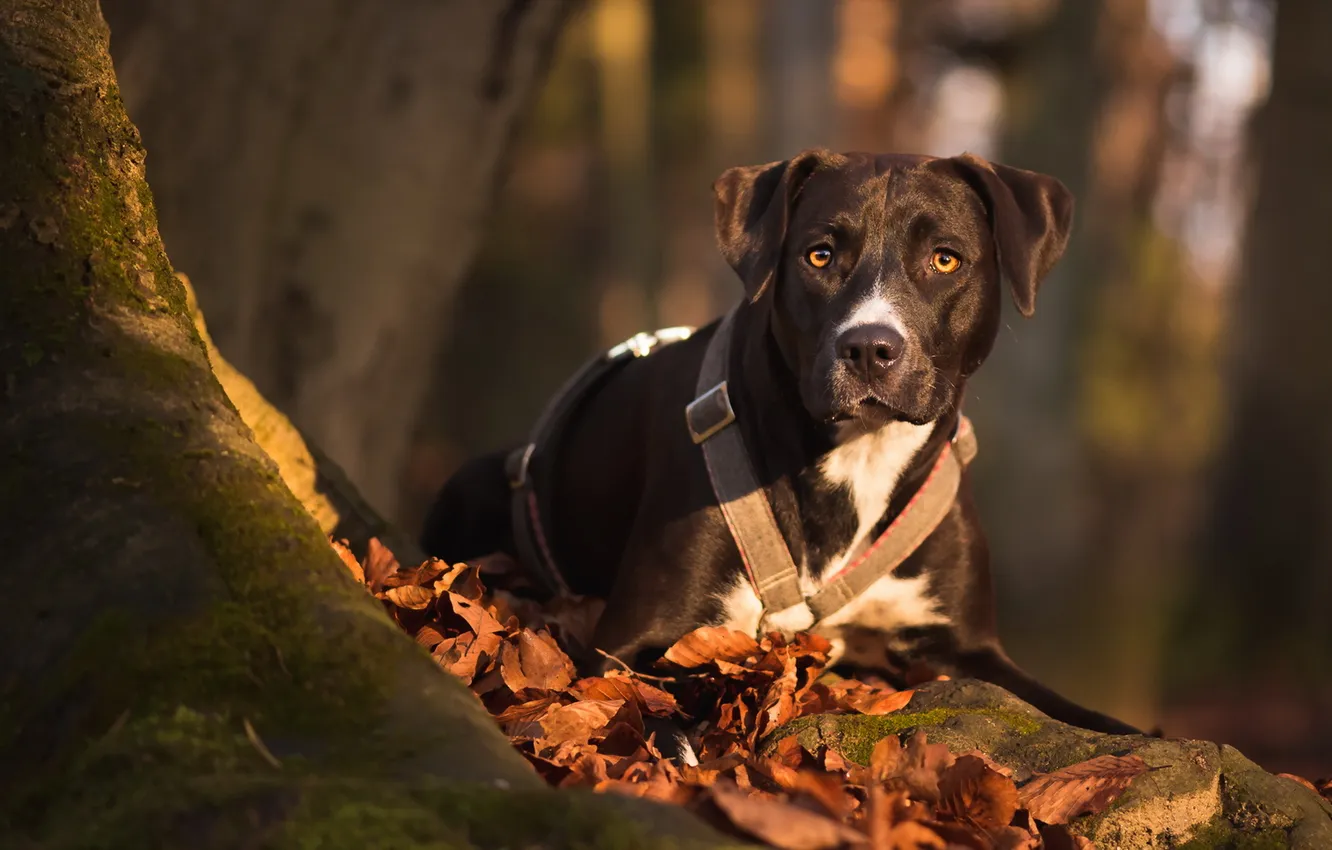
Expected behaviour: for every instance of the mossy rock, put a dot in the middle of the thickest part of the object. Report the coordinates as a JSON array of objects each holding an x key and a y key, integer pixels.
[{"x": 1197, "y": 794}]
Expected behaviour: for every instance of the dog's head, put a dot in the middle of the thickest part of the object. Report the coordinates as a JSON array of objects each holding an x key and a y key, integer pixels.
[{"x": 884, "y": 273}]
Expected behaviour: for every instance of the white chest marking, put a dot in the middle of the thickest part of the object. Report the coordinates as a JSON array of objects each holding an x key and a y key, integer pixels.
[{"x": 870, "y": 464}]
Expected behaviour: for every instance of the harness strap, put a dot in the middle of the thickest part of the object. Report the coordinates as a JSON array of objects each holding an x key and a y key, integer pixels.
[
  {"x": 528, "y": 534},
  {"x": 908, "y": 530},
  {"x": 711, "y": 422},
  {"x": 749, "y": 516}
]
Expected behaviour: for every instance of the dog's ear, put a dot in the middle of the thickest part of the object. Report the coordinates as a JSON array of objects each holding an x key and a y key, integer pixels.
[
  {"x": 1030, "y": 214},
  {"x": 753, "y": 203}
]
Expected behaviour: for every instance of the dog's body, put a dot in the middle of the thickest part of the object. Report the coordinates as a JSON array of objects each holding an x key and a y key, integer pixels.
[{"x": 875, "y": 289}]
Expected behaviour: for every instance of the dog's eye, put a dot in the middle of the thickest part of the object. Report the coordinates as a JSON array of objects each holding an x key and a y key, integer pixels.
[
  {"x": 945, "y": 262},
  {"x": 819, "y": 257}
]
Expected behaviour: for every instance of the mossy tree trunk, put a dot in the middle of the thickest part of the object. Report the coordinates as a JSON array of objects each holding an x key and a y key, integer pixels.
[
  {"x": 186, "y": 661},
  {"x": 323, "y": 170}
]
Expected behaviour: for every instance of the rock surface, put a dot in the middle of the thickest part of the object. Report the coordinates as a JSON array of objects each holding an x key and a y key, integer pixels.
[{"x": 1197, "y": 795}]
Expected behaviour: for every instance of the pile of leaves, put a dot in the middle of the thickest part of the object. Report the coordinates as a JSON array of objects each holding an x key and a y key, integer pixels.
[{"x": 730, "y": 695}]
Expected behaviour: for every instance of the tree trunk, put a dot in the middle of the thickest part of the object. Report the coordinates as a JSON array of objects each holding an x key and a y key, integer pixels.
[
  {"x": 323, "y": 168},
  {"x": 187, "y": 663},
  {"x": 1079, "y": 407},
  {"x": 1257, "y": 625}
]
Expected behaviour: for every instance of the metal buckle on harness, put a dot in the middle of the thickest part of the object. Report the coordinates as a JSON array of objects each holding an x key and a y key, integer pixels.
[
  {"x": 641, "y": 344},
  {"x": 709, "y": 413},
  {"x": 516, "y": 465}
]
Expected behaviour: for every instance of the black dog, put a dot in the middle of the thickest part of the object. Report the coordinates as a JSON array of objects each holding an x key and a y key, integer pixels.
[{"x": 874, "y": 286}]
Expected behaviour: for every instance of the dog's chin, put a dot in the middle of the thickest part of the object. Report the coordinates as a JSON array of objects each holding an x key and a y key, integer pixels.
[{"x": 871, "y": 413}]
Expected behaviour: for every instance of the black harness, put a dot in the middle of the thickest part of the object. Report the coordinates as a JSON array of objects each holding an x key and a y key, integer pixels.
[{"x": 528, "y": 533}]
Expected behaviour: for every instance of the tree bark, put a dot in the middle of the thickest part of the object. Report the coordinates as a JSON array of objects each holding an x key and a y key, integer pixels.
[
  {"x": 1256, "y": 617},
  {"x": 323, "y": 168},
  {"x": 1087, "y": 471},
  {"x": 187, "y": 663},
  {"x": 316, "y": 480}
]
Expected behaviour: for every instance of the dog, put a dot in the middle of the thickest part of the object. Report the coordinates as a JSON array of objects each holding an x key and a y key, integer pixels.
[{"x": 873, "y": 286}]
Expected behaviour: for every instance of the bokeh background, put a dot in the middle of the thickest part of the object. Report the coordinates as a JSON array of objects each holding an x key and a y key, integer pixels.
[{"x": 408, "y": 221}]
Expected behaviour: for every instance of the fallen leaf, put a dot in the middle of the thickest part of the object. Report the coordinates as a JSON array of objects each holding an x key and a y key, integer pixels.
[
  {"x": 578, "y": 721},
  {"x": 912, "y": 835},
  {"x": 429, "y": 636},
  {"x": 464, "y": 580},
  {"x": 993, "y": 765},
  {"x": 349, "y": 560},
  {"x": 478, "y": 619},
  {"x": 534, "y": 661},
  {"x": 711, "y": 643},
  {"x": 969, "y": 791},
  {"x": 467, "y": 656},
  {"x": 876, "y": 701},
  {"x": 780, "y": 824},
  {"x": 378, "y": 565},
  {"x": 886, "y": 758},
  {"x": 826, "y": 790},
  {"x": 410, "y": 596},
  {"x": 1015, "y": 838},
  {"x": 423, "y": 575},
  {"x": 524, "y": 719},
  {"x": 1085, "y": 788}
]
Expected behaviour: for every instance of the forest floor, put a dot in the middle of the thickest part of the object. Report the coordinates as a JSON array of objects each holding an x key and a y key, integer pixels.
[{"x": 751, "y": 773}]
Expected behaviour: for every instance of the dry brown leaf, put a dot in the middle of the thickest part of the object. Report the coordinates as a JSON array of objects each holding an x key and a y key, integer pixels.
[
  {"x": 378, "y": 565},
  {"x": 467, "y": 655},
  {"x": 1015, "y": 838},
  {"x": 578, "y": 721},
  {"x": 478, "y": 619},
  {"x": 877, "y": 700},
  {"x": 780, "y": 824},
  {"x": 410, "y": 596},
  {"x": 991, "y": 763},
  {"x": 886, "y": 758},
  {"x": 1080, "y": 789},
  {"x": 913, "y": 835},
  {"x": 709, "y": 644},
  {"x": 534, "y": 661},
  {"x": 970, "y": 792},
  {"x": 653, "y": 699},
  {"x": 423, "y": 575},
  {"x": 1056, "y": 836},
  {"x": 429, "y": 636},
  {"x": 826, "y": 790},
  {"x": 523, "y": 720},
  {"x": 349, "y": 560}
]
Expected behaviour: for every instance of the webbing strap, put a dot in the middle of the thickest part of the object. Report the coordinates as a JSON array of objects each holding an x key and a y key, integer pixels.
[
  {"x": 908, "y": 530},
  {"x": 743, "y": 503},
  {"x": 749, "y": 516}
]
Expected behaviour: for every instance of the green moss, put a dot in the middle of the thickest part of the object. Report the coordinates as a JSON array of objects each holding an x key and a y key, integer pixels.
[
  {"x": 130, "y": 788},
  {"x": 1221, "y": 834},
  {"x": 85, "y": 239},
  {"x": 854, "y": 735}
]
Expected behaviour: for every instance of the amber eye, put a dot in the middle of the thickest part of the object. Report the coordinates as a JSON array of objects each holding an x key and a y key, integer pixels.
[
  {"x": 819, "y": 257},
  {"x": 945, "y": 262}
]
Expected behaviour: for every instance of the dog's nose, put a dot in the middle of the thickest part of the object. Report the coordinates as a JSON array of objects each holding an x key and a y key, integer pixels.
[{"x": 870, "y": 349}]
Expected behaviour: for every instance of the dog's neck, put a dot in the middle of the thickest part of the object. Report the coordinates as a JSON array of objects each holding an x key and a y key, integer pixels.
[{"x": 833, "y": 488}]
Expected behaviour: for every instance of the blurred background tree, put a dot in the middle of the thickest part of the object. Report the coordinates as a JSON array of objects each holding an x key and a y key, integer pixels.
[{"x": 1154, "y": 478}]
